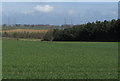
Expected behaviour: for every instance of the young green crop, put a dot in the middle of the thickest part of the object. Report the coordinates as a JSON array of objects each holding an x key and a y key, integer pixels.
[{"x": 59, "y": 60}]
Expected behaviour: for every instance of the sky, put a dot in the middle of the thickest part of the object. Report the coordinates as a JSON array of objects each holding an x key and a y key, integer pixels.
[{"x": 55, "y": 13}]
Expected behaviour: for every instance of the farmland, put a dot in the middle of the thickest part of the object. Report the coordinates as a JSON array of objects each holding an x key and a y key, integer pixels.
[
  {"x": 24, "y": 30},
  {"x": 24, "y": 33},
  {"x": 58, "y": 60}
]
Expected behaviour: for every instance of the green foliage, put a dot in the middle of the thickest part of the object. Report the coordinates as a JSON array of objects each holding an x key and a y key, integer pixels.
[
  {"x": 0, "y": 34},
  {"x": 95, "y": 31},
  {"x": 48, "y": 36},
  {"x": 99, "y": 31},
  {"x": 59, "y": 60}
]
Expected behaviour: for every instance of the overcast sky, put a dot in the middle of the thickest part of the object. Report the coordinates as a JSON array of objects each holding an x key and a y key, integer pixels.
[{"x": 57, "y": 12}]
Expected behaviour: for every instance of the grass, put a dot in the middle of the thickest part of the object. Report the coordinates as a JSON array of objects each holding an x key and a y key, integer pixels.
[
  {"x": 0, "y": 59},
  {"x": 59, "y": 60}
]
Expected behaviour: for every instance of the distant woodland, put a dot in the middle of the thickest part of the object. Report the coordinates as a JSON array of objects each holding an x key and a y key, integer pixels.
[{"x": 95, "y": 31}]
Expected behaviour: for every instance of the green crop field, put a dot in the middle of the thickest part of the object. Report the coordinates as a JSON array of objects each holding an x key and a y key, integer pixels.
[{"x": 59, "y": 60}]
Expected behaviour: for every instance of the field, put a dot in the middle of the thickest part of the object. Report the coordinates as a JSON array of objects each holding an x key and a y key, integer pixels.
[
  {"x": 59, "y": 60},
  {"x": 24, "y": 33},
  {"x": 24, "y": 30}
]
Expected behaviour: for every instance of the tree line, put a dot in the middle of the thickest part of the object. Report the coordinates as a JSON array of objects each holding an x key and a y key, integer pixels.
[{"x": 95, "y": 31}]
